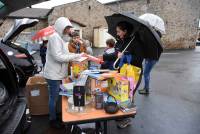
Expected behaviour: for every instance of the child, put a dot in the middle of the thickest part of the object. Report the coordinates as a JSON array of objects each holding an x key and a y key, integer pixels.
[
  {"x": 109, "y": 55},
  {"x": 76, "y": 45}
]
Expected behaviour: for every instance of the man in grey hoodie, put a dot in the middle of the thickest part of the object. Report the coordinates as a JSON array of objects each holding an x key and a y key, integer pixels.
[{"x": 56, "y": 66}]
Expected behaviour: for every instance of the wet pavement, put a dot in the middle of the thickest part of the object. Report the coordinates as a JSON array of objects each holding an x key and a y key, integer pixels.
[{"x": 173, "y": 106}]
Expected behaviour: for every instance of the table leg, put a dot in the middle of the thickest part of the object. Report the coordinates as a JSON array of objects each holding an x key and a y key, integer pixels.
[
  {"x": 98, "y": 127},
  {"x": 105, "y": 127},
  {"x": 68, "y": 129}
]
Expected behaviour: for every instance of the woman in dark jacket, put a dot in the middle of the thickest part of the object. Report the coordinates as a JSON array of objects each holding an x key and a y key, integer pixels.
[
  {"x": 125, "y": 35},
  {"x": 133, "y": 54}
]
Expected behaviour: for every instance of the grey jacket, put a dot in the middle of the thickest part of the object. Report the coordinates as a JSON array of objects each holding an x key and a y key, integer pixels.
[{"x": 58, "y": 55}]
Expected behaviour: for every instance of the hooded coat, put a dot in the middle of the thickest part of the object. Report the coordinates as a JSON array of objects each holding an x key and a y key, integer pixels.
[{"x": 58, "y": 55}]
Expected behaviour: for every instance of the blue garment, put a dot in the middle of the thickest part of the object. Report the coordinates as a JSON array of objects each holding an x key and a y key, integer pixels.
[
  {"x": 107, "y": 65},
  {"x": 43, "y": 50},
  {"x": 109, "y": 58},
  {"x": 54, "y": 88},
  {"x": 149, "y": 64},
  {"x": 125, "y": 59}
]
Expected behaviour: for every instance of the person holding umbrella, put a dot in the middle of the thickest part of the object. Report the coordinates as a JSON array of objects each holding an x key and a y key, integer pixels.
[
  {"x": 148, "y": 66},
  {"x": 136, "y": 40},
  {"x": 158, "y": 25},
  {"x": 55, "y": 69},
  {"x": 125, "y": 35}
]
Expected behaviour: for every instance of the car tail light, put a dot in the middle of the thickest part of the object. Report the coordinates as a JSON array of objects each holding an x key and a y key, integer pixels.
[{"x": 21, "y": 56}]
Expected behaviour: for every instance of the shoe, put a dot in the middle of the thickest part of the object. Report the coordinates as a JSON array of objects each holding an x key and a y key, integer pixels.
[
  {"x": 124, "y": 123},
  {"x": 143, "y": 91},
  {"x": 56, "y": 124}
]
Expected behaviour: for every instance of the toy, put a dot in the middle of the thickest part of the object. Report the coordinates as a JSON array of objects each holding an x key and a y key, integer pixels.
[{"x": 78, "y": 67}]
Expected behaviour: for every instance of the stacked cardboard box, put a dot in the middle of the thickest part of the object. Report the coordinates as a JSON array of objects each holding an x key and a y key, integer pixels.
[{"x": 37, "y": 95}]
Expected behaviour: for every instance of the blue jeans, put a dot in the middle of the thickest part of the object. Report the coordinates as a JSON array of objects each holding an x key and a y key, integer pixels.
[
  {"x": 54, "y": 88},
  {"x": 149, "y": 64}
]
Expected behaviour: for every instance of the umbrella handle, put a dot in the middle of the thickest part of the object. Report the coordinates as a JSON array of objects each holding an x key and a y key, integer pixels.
[{"x": 116, "y": 61}]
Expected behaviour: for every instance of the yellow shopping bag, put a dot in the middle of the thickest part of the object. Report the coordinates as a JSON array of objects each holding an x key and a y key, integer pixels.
[
  {"x": 123, "y": 70},
  {"x": 129, "y": 70},
  {"x": 132, "y": 73}
]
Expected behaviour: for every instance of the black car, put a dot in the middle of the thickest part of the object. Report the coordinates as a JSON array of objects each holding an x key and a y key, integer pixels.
[
  {"x": 12, "y": 100},
  {"x": 12, "y": 105},
  {"x": 24, "y": 63}
]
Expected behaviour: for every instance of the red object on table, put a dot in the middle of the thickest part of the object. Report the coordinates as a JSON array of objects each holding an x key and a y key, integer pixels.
[{"x": 43, "y": 33}]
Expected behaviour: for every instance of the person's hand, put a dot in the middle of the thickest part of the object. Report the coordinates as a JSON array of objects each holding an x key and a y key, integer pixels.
[
  {"x": 119, "y": 55},
  {"x": 80, "y": 41},
  {"x": 100, "y": 57},
  {"x": 84, "y": 55}
]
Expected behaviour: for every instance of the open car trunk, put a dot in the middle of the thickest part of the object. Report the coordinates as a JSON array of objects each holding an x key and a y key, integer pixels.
[
  {"x": 8, "y": 6},
  {"x": 8, "y": 88}
]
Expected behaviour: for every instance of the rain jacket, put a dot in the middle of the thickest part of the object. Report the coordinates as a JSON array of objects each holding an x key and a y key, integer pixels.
[{"x": 58, "y": 55}]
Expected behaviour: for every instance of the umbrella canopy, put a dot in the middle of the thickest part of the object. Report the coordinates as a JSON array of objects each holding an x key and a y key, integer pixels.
[
  {"x": 155, "y": 21},
  {"x": 43, "y": 33},
  {"x": 151, "y": 41}
]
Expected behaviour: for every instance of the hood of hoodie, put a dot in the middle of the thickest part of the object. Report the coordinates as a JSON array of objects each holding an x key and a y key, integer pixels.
[{"x": 60, "y": 24}]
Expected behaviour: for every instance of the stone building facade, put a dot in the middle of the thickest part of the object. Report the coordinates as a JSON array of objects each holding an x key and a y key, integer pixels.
[
  {"x": 180, "y": 17},
  {"x": 8, "y": 23},
  {"x": 89, "y": 12}
]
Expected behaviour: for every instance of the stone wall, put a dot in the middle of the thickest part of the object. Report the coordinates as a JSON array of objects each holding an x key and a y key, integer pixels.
[
  {"x": 8, "y": 23},
  {"x": 89, "y": 12},
  {"x": 180, "y": 17}
]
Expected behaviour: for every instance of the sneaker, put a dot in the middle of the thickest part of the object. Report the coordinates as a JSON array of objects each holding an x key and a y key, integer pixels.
[
  {"x": 124, "y": 123},
  {"x": 143, "y": 91},
  {"x": 56, "y": 124}
]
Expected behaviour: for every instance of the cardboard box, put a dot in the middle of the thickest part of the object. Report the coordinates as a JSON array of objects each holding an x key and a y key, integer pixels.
[
  {"x": 100, "y": 84},
  {"x": 119, "y": 88},
  {"x": 78, "y": 67},
  {"x": 37, "y": 95}
]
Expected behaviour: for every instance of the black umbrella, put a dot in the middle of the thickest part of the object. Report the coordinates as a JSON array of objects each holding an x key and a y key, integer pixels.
[{"x": 149, "y": 37}]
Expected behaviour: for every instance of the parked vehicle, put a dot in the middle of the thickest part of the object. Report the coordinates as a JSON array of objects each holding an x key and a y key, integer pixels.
[
  {"x": 23, "y": 61},
  {"x": 12, "y": 105},
  {"x": 12, "y": 57}
]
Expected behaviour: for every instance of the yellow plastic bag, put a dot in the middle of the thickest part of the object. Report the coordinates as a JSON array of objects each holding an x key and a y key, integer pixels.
[
  {"x": 128, "y": 70},
  {"x": 133, "y": 71},
  {"x": 123, "y": 70}
]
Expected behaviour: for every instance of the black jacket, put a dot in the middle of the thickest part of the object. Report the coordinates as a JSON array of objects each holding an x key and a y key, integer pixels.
[{"x": 135, "y": 49}]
